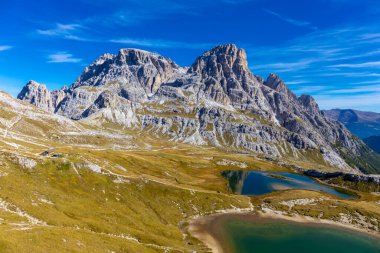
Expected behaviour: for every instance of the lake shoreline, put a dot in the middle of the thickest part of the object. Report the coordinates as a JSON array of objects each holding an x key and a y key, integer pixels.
[{"x": 208, "y": 228}]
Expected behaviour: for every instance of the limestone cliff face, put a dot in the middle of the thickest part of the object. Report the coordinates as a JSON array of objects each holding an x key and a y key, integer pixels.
[
  {"x": 224, "y": 77},
  {"x": 216, "y": 101},
  {"x": 132, "y": 74},
  {"x": 38, "y": 95}
]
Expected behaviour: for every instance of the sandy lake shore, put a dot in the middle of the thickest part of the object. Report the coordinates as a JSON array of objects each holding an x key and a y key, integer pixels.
[{"x": 208, "y": 229}]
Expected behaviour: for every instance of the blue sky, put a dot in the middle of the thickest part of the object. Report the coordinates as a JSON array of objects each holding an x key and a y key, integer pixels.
[{"x": 327, "y": 48}]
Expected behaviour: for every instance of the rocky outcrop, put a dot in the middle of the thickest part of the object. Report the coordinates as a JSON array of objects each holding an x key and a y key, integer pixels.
[
  {"x": 38, "y": 95},
  {"x": 142, "y": 70},
  {"x": 345, "y": 176},
  {"x": 224, "y": 77},
  {"x": 132, "y": 74},
  {"x": 217, "y": 101}
]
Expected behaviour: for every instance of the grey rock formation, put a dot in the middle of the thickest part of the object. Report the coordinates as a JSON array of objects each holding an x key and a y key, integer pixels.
[
  {"x": 132, "y": 74},
  {"x": 346, "y": 176},
  {"x": 38, "y": 95},
  {"x": 217, "y": 101}
]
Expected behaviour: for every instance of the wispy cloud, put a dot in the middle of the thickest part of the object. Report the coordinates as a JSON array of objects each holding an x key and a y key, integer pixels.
[
  {"x": 329, "y": 52},
  {"x": 341, "y": 68},
  {"x": 66, "y": 31},
  {"x": 351, "y": 74},
  {"x": 290, "y": 20},
  {"x": 156, "y": 43},
  {"x": 284, "y": 66},
  {"x": 372, "y": 64},
  {"x": 357, "y": 89},
  {"x": 308, "y": 89},
  {"x": 133, "y": 12},
  {"x": 5, "y": 48},
  {"x": 62, "y": 57},
  {"x": 370, "y": 35},
  {"x": 294, "y": 82}
]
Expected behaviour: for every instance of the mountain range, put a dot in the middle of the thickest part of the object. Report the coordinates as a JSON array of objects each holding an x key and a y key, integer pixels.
[
  {"x": 217, "y": 101},
  {"x": 361, "y": 123}
]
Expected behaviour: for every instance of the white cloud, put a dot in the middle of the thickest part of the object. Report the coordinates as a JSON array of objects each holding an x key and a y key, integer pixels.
[
  {"x": 156, "y": 43},
  {"x": 285, "y": 66},
  {"x": 372, "y": 64},
  {"x": 291, "y": 21},
  {"x": 356, "y": 89},
  {"x": 351, "y": 74},
  {"x": 370, "y": 35},
  {"x": 5, "y": 48},
  {"x": 63, "y": 57},
  {"x": 59, "y": 29},
  {"x": 308, "y": 89},
  {"x": 294, "y": 82},
  {"x": 132, "y": 12},
  {"x": 66, "y": 31}
]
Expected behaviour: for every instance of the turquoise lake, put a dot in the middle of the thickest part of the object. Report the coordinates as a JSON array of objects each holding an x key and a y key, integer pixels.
[
  {"x": 273, "y": 236},
  {"x": 255, "y": 183}
]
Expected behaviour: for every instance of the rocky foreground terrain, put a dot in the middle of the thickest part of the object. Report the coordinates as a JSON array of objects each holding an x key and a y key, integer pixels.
[{"x": 217, "y": 101}]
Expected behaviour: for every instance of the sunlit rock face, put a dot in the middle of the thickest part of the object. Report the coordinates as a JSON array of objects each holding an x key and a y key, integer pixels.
[
  {"x": 216, "y": 101},
  {"x": 38, "y": 95}
]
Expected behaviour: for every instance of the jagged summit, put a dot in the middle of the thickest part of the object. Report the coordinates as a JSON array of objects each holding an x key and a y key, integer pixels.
[
  {"x": 226, "y": 79},
  {"x": 131, "y": 56},
  {"x": 226, "y": 49},
  {"x": 38, "y": 95},
  {"x": 309, "y": 102},
  {"x": 129, "y": 66},
  {"x": 217, "y": 101},
  {"x": 224, "y": 59},
  {"x": 274, "y": 82}
]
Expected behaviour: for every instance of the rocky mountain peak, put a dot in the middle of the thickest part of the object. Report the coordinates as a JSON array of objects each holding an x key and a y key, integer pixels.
[
  {"x": 104, "y": 58},
  {"x": 274, "y": 82},
  {"x": 131, "y": 56},
  {"x": 36, "y": 94},
  {"x": 34, "y": 83},
  {"x": 217, "y": 101},
  {"x": 309, "y": 103},
  {"x": 228, "y": 49},
  {"x": 222, "y": 60},
  {"x": 132, "y": 68},
  {"x": 223, "y": 76}
]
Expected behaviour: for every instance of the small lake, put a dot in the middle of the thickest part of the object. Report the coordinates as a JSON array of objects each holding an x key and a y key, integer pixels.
[
  {"x": 273, "y": 236},
  {"x": 255, "y": 183}
]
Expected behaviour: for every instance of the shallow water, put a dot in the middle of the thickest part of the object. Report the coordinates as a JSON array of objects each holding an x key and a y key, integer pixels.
[
  {"x": 254, "y": 183},
  {"x": 274, "y": 236}
]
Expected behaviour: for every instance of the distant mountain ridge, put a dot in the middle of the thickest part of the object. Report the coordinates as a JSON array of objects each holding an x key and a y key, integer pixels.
[
  {"x": 361, "y": 123},
  {"x": 216, "y": 101}
]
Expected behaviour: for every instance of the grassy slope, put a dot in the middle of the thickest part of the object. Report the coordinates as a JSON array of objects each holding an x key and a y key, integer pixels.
[
  {"x": 148, "y": 202},
  {"x": 147, "y": 188},
  {"x": 367, "y": 161}
]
